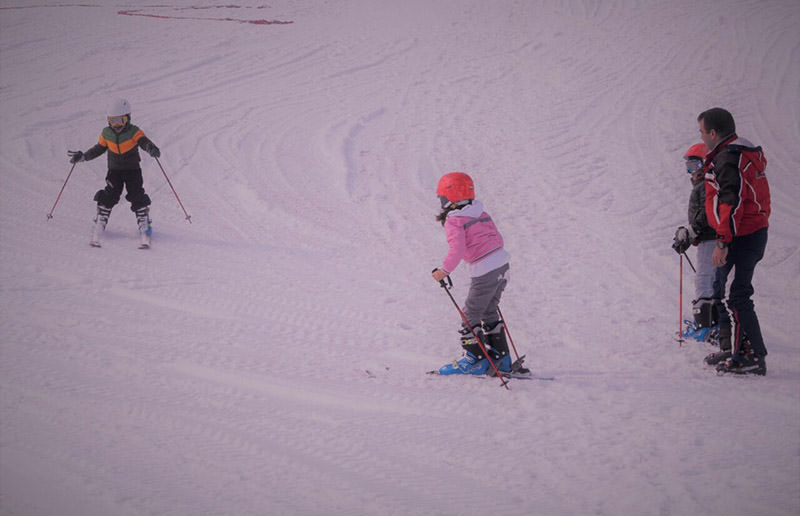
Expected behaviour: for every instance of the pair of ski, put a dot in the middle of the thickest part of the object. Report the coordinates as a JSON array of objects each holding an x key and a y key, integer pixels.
[
  {"x": 518, "y": 372},
  {"x": 144, "y": 238}
]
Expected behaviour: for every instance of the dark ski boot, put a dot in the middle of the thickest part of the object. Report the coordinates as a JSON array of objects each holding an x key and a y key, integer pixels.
[
  {"x": 143, "y": 221},
  {"x": 724, "y": 353},
  {"x": 748, "y": 363},
  {"x": 496, "y": 346},
  {"x": 100, "y": 222}
]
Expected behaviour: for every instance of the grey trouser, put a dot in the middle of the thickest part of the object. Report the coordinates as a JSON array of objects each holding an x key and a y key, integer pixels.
[
  {"x": 484, "y": 296},
  {"x": 706, "y": 271}
]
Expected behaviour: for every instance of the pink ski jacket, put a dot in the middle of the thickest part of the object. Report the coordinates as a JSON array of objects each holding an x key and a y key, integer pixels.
[{"x": 474, "y": 238}]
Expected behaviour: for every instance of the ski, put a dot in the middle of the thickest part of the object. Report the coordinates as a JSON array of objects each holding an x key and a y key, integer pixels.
[
  {"x": 528, "y": 376},
  {"x": 509, "y": 375},
  {"x": 523, "y": 376},
  {"x": 736, "y": 374},
  {"x": 518, "y": 372}
]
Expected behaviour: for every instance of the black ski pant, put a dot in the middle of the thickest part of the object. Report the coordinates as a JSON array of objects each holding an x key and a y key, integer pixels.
[
  {"x": 743, "y": 255},
  {"x": 133, "y": 182}
]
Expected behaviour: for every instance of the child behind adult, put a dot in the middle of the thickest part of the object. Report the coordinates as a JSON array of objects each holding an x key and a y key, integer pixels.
[
  {"x": 473, "y": 237},
  {"x": 700, "y": 234}
]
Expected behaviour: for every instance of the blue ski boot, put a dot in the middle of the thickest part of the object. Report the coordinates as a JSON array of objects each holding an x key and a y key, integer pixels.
[
  {"x": 699, "y": 333},
  {"x": 473, "y": 361},
  {"x": 468, "y": 364},
  {"x": 704, "y": 327}
]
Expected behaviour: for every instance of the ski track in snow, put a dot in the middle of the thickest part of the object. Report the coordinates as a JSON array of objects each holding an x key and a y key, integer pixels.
[{"x": 269, "y": 358}]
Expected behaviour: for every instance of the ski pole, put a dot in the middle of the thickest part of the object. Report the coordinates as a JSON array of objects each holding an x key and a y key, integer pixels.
[
  {"x": 468, "y": 325},
  {"x": 690, "y": 262},
  {"x": 505, "y": 326},
  {"x": 50, "y": 215},
  {"x": 188, "y": 217},
  {"x": 680, "y": 305}
]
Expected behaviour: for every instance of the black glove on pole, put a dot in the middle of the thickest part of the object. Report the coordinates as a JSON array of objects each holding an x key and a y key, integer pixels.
[{"x": 682, "y": 240}]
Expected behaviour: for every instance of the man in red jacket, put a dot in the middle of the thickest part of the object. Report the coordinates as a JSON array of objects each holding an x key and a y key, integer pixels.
[{"x": 738, "y": 208}]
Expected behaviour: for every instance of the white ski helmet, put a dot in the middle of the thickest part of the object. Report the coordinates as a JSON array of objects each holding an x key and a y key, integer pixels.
[{"x": 119, "y": 107}]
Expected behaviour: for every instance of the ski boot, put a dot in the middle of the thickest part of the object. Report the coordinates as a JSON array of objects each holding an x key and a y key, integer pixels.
[
  {"x": 705, "y": 327},
  {"x": 724, "y": 353},
  {"x": 701, "y": 334},
  {"x": 497, "y": 347},
  {"x": 100, "y": 222},
  {"x": 726, "y": 349},
  {"x": 745, "y": 363},
  {"x": 473, "y": 361},
  {"x": 143, "y": 220}
]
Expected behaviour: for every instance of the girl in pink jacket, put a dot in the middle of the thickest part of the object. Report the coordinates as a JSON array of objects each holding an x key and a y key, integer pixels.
[{"x": 473, "y": 237}]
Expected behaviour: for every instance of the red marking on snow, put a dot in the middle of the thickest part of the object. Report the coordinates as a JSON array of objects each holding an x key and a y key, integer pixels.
[
  {"x": 142, "y": 12},
  {"x": 44, "y": 6}
]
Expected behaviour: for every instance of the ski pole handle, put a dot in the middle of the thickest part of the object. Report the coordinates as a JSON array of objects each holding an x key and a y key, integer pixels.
[{"x": 441, "y": 281}]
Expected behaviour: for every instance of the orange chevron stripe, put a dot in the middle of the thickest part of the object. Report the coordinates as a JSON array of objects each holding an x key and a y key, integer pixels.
[{"x": 124, "y": 146}]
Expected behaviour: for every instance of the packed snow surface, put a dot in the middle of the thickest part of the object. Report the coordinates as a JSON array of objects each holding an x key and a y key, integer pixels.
[{"x": 270, "y": 357}]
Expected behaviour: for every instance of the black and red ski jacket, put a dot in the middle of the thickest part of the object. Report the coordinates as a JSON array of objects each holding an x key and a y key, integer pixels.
[{"x": 737, "y": 191}]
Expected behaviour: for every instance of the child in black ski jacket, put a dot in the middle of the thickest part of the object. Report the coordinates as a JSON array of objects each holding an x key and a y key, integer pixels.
[{"x": 121, "y": 140}]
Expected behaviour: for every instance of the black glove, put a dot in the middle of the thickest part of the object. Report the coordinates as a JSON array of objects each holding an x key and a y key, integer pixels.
[
  {"x": 682, "y": 240},
  {"x": 75, "y": 156},
  {"x": 153, "y": 151}
]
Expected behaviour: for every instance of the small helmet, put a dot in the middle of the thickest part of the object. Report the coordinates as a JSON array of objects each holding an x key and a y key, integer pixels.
[
  {"x": 119, "y": 107},
  {"x": 119, "y": 114},
  {"x": 455, "y": 187},
  {"x": 696, "y": 151}
]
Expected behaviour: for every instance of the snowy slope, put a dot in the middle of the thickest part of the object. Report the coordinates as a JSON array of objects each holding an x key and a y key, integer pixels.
[{"x": 269, "y": 358}]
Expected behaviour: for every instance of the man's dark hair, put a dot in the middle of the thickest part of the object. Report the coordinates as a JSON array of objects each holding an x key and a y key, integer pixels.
[{"x": 718, "y": 119}]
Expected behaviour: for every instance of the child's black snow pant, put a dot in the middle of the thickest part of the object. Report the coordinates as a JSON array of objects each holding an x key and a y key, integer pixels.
[{"x": 133, "y": 182}]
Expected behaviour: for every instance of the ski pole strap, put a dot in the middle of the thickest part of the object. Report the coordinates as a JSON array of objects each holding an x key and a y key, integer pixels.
[{"x": 690, "y": 262}]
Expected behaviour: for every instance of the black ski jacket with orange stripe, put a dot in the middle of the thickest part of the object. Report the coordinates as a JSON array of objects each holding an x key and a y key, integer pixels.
[{"x": 123, "y": 147}]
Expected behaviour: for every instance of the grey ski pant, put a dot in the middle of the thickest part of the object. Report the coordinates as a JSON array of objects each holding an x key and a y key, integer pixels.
[{"x": 484, "y": 296}]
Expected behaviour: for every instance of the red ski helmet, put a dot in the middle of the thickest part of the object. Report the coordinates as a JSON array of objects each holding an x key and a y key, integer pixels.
[
  {"x": 456, "y": 186},
  {"x": 697, "y": 151}
]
